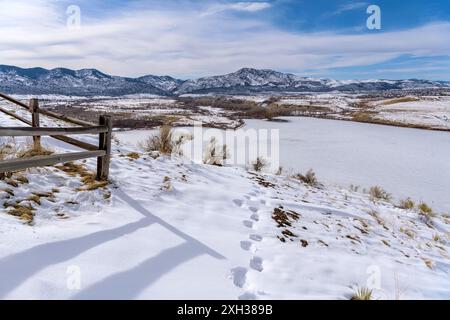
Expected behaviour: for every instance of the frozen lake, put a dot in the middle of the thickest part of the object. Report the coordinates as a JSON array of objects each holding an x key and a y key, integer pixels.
[{"x": 406, "y": 162}]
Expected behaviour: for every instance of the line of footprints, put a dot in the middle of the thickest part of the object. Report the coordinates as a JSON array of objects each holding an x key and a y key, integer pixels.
[{"x": 240, "y": 274}]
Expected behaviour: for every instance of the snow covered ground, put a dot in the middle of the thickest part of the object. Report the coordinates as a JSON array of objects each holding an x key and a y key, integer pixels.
[
  {"x": 169, "y": 228},
  {"x": 433, "y": 112}
]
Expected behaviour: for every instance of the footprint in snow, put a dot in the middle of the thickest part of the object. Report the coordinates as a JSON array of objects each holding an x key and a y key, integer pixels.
[
  {"x": 248, "y": 296},
  {"x": 253, "y": 209},
  {"x": 257, "y": 264},
  {"x": 248, "y": 224},
  {"x": 239, "y": 275},
  {"x": 238, "y": 202},
  {"x": 246, "y": 245},
  {"x": 256, "y": 237},
  {"x": 255, "y": 217}
]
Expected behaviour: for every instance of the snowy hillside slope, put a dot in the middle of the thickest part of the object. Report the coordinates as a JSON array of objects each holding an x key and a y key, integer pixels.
[{"x": 169, "y": 228}]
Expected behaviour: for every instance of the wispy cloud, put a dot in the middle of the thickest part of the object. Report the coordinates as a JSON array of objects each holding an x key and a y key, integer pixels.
[
  {"x": 238, "y": 6},
  {"x": 346, "y": 8}
]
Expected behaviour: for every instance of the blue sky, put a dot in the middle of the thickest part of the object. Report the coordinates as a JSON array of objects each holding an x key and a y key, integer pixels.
[{"x": 191, "y": 38}]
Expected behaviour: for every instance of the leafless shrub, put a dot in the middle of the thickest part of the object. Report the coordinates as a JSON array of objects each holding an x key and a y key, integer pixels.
[
  {"x": 164, "y": 142},
  {"x": 309, "y": 178},
  {"x": 259, "y": 164},
  {"x": 279, "y": 171}
]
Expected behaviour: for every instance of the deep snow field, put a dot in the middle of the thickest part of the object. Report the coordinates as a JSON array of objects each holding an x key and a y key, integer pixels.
[{"x": 167, "y": 228}]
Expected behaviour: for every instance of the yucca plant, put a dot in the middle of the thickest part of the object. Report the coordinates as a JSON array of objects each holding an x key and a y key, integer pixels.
[{"x": 362, "y": 293}]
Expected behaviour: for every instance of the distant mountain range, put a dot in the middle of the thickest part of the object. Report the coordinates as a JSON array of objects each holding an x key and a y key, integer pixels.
[{"x": 90, "y": 82}]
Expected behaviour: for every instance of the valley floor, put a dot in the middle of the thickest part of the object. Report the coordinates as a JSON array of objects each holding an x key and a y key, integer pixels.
[{"x": 422, "y": 110}]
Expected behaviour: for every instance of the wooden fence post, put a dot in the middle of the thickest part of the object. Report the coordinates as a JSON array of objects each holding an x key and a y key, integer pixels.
[
  {"x": 104, "y": 144},
  {"x": 34, "y": 106}
]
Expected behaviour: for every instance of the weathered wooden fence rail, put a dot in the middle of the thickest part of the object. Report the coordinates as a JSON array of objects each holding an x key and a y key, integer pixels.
[{"x": 102, "y": 152}]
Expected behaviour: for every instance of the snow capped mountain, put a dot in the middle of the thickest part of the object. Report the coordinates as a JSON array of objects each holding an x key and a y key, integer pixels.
[
  {"x": 254, "y": 80},
  {"x": 70, "y": 82},
  {"x": 88, "y": 82},
  {"x": 165, "y": 83}
]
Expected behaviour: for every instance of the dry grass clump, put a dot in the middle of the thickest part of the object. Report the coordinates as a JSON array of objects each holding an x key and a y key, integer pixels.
[
  {"x": 94, "y": 185},
  {"x": 408, "y": 232},
  {"x": 7, "y": 149},
  {"x": 437, "y": 237},
  {"x": 362, "y": 293},
  {"x": 133, "y": 155},
  {"x": 23, "y": 212},
  {"x": 34, "y": 198},
  {"x": 407, "y": 204},
  {"x": 33, "y": 151},
  {"x": 215, "y": 154},
  {"x": 429, "y": 263},
  {"x": 425, "y": 210},
  {"x": 259, "y": 164},
  {"x": 74, "y": 169},
  {"x": 8, "y": 191},
  {"x": 309, "y": 178},
  {"x": 12, "y": 183},
  {"x": 377, "y": 193},
  {"x": 426, "y": 213},
  {"x": 88, "y": 178},
  {"x": 22, "y": 179}
]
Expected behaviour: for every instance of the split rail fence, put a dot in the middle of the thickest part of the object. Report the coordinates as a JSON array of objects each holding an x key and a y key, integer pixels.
[{"x": 102, "y": 152}]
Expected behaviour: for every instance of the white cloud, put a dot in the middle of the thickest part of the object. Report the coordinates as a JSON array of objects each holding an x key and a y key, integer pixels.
[
  {"x": 347, "y": 7},
  {"x": 187, "y": 43},
  {"x": 238, "y": 6},
  {"x": 250, "y": 6}
]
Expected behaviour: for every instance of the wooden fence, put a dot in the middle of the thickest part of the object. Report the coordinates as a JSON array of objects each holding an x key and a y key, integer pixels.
[{"x": 102, "y": 152}]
